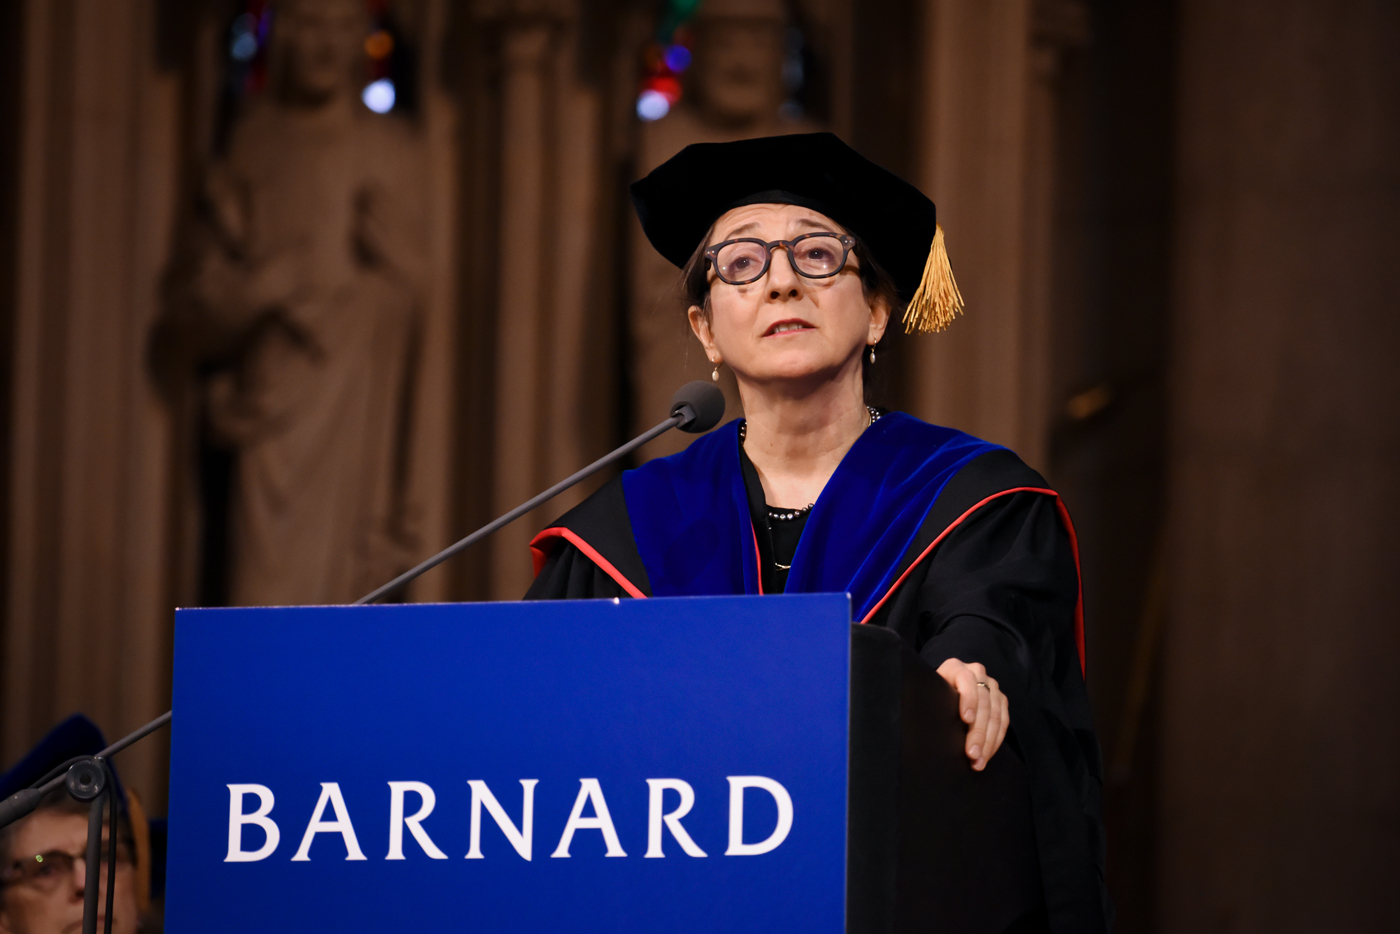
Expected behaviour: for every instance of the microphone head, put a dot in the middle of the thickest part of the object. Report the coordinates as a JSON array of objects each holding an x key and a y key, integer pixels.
[{"x": 705, "y": 405}]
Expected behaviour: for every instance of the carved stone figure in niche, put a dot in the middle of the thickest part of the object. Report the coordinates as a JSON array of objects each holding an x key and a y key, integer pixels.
[
  {"x": 733, "y": 90},
  {"x": 300, "y": 303}
]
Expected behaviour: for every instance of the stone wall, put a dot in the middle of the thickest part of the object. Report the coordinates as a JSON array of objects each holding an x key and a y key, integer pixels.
[{"x": 1281, "y": 746}]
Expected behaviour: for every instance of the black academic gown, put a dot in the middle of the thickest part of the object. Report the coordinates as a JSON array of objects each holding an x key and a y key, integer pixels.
[{"x": 953, "y": 543}]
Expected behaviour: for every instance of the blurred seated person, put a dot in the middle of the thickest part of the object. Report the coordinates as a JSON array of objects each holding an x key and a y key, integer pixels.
[{"x": 43, "y": 873}]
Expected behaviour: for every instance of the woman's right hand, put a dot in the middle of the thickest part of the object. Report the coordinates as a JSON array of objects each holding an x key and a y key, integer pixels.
[{"x": 983, "y": 706}]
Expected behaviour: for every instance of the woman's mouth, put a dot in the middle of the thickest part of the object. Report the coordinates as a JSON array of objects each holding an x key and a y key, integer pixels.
[{"x": 792, "y": 324}]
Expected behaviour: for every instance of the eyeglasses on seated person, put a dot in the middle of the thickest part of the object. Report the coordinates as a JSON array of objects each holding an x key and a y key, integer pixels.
[{"x": 46, "y": 871}]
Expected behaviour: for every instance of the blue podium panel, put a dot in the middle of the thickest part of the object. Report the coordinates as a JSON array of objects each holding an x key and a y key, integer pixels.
[{"x": 645, "y": 765}]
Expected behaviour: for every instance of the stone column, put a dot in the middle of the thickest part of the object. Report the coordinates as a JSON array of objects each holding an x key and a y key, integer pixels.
[
  {"x": 973, "y": 164},
  {"x": 576, "y": 372},
  {"x": 986, "y": 157},
  {"x": 521, "y": 324},
  {"x": 552, "y": 172},
  {"x": 431, "y": 479},
  {"x": 1280, "y": 736},
  {"x": 88, "y": 593}
]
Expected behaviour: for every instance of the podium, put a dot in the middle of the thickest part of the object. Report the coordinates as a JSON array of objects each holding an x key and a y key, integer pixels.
[{"x": 698, "y": 764}]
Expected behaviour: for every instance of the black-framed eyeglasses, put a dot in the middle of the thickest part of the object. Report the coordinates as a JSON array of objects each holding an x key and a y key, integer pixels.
[
  {"x": 813, "y": 255},
  {"x": 46, "y": 871}
]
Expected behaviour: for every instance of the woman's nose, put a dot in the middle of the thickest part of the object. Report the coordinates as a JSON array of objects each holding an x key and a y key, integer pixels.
[{"x": 782, "y": 275}]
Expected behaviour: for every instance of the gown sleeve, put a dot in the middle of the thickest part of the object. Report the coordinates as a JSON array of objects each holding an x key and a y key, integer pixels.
[
  {"x": 1004, "y": 581},
  {"x": 1002, "y": 589},
  {"x": 569, "y": 574}
]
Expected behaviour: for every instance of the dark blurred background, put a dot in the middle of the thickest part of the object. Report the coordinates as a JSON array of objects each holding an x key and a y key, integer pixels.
[{"x": 303, "y": 291}]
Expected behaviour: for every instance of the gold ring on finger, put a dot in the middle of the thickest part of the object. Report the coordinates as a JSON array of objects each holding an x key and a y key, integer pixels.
[{"x": 983, "y": 684}]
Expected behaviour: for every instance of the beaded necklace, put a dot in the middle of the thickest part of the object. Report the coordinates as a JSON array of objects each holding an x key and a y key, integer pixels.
[{"x": 787, "y": 515}]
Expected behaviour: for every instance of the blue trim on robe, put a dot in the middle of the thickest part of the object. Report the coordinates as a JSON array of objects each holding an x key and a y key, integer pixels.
[{"x": 690, "y": 513}]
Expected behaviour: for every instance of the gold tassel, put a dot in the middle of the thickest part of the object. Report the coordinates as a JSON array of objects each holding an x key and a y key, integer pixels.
[{"x": 937, "y": 300}]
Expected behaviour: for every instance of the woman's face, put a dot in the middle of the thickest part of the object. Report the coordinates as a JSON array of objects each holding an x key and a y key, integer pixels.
[{"x": 784, "y": 327}]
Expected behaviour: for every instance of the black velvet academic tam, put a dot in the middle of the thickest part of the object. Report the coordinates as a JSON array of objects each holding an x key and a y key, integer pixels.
[{"x": 681, "y": 198}]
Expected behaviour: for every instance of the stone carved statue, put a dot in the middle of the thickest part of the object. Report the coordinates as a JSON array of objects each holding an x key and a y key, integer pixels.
[
  {"x": 734, "y": 90},
  {"x": 299, "y": 303}
]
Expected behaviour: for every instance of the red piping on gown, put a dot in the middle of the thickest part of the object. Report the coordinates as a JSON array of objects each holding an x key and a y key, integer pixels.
[
  {"x": 1073, "y": 544},
  {"x": 540, "y": 555}
]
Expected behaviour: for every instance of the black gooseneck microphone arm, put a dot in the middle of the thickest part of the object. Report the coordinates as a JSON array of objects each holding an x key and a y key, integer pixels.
[
  {"x": 25, "y": 801},
  {"x": 393, "y": 585},
  {"x": 697, "y": 407}
]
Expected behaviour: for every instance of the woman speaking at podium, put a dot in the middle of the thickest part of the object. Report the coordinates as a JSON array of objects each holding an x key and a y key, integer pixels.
[{"x": 796, "y": 253}]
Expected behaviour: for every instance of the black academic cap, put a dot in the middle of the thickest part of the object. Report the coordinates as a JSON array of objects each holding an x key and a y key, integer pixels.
[
  {"x": 74, "y": 737},
  {"x": 898, "y": 224}
]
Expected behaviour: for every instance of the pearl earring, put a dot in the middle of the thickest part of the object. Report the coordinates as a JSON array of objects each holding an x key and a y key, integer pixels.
[
  {"x": 715, "y": 375},
  {"x": 872, "y": 354}
]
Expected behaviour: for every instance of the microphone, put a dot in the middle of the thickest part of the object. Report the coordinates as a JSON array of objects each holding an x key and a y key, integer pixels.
[
  {"x": 705, "y": 404},
  {"x": 26, "y": 801},
  {"x": 696, "y": 407}
]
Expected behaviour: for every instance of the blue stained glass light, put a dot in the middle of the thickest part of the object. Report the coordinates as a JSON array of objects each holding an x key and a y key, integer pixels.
[
  {"x": 678, "y": 58},
  {"x": 379, "y": 96}
]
